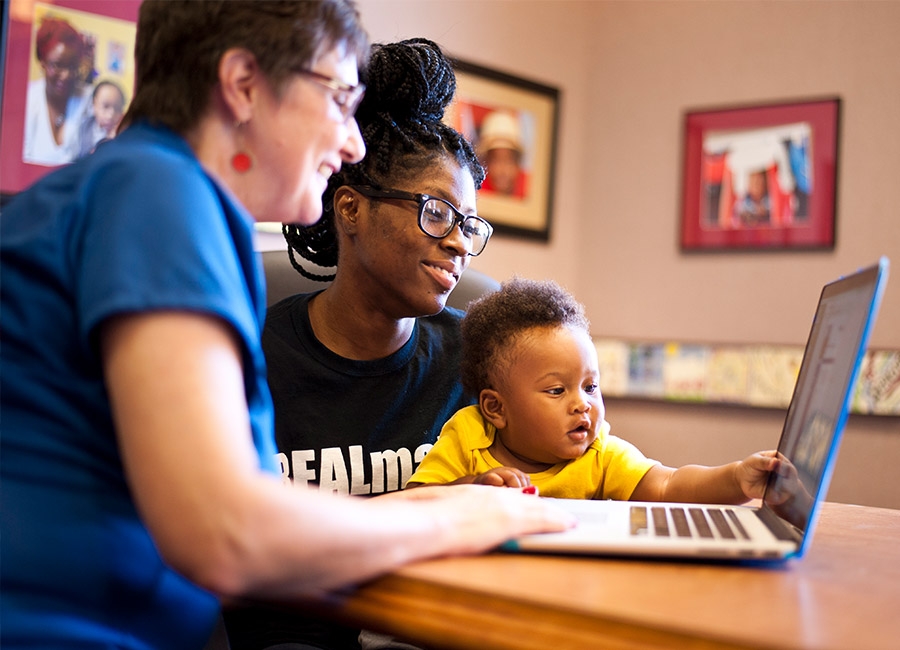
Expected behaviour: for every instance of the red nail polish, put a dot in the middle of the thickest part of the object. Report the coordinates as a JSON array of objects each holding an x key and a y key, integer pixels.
[{"x": 531, "y": 489}]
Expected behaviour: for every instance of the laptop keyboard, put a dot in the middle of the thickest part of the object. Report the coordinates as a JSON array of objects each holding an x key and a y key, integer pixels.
[{"x": 672, "y": 521}]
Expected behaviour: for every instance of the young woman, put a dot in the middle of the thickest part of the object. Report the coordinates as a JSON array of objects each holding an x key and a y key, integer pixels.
[
  {"x": 137, "y": 424},
  {"x": 376, "y": 352},
  {"x": 365, "y": 373}
]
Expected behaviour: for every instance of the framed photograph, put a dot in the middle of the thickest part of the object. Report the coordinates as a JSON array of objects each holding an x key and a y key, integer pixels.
[
  {"x": 67, "y": 78},
  {"x": 761, "y": 177},
  {"x": 513, "y": 123}
]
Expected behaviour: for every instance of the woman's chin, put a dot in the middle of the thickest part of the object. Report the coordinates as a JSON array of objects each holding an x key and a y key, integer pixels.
[
  {"x": 306, "y": 216},
  {"x": 433, "y": 305}
]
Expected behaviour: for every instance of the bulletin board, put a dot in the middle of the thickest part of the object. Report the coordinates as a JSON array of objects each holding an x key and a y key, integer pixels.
[{"x": 761, "y": 376}]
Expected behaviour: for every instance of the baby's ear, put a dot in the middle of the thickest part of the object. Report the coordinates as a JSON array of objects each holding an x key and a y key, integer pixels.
[{"x": 492, "y": 409}]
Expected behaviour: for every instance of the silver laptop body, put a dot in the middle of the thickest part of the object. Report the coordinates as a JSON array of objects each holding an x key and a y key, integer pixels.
[{"x": 781, "y": 527}]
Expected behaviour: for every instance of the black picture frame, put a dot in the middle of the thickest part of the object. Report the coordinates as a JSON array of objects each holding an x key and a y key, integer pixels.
[{"x": 521, "y": 207}]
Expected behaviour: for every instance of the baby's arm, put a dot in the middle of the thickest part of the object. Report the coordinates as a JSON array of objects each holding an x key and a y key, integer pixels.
[
  {"x": 732, "y": 483},
  {"x": 503, "y": 477},
  {"x": 499, "y": 476}
]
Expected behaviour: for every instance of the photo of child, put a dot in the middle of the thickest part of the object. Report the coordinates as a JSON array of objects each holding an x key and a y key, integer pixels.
[{"x": 107, "y": 107}]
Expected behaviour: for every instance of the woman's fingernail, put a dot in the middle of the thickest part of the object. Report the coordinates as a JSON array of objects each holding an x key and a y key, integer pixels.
[{"x": 531, "y": 489}]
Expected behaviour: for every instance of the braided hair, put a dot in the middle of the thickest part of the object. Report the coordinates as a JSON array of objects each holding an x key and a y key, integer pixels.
[{"x": 409, "y": 85}]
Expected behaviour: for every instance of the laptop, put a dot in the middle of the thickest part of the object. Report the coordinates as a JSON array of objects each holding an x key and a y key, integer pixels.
[{"x": 781, "y": 527}]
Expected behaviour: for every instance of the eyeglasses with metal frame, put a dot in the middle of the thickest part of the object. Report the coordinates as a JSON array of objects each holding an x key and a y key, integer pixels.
[
  {"x": 346, "y": 97},
  {"x": 438, "y": 217}
]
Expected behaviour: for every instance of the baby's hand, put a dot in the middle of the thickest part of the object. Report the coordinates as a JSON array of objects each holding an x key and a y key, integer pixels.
[
  {"x": 504, "y": 477},
  {"x": 752, "y": 473}
]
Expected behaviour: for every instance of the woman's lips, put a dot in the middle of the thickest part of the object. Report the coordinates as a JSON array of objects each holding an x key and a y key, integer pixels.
[{"x": 445, "y": 277}]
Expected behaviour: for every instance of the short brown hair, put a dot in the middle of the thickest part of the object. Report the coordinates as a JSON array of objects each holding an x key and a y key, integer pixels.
[
  {"x": 497, "y": 320},
  {"x": 179, "y": 45}
]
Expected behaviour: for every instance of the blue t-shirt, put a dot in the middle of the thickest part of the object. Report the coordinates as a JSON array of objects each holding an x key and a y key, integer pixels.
[{"x": 137, "y": 226}]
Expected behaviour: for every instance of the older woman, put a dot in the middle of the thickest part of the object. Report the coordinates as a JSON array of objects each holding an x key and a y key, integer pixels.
[{"x": 137, "y": 424}]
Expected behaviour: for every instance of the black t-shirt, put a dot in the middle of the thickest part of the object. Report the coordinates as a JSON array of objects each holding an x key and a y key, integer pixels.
[
  {"x": 359, "y": 427},
  {"x": 353, "y": 427}
]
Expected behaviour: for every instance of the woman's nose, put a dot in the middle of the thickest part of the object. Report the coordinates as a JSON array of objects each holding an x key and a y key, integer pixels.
[
  {"x": 354, "y": 148},
  {"x": 458, "y": 242}
]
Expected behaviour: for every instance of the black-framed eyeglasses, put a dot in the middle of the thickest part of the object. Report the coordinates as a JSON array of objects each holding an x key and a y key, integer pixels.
[
  {"x": 346, "y": 97},
  {"x": 438, "y": 217}
]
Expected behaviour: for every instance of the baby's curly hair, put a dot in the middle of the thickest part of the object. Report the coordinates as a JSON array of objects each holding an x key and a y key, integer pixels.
[{"x": 495, "y": 321}]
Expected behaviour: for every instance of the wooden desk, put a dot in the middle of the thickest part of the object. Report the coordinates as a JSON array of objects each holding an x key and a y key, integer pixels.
[{"x": 845, "y": 593}]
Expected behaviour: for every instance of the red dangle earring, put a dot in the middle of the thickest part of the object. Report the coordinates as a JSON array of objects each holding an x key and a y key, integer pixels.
[{"x": 241, "y": 161}]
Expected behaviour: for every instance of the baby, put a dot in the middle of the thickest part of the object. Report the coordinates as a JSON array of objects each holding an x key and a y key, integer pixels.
[{"x": 540, "y": 419}]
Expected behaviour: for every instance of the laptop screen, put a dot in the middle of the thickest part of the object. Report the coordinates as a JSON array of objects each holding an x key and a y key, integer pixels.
[{"x": 818, "y": 410}]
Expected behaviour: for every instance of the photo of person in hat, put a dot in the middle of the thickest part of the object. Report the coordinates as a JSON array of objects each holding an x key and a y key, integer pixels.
[{"x": 501, "y": 151}]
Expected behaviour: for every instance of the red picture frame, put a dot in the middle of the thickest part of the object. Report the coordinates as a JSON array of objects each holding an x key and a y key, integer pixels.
[
  {"x": 110, "y": 27},
  {"x": 761, "y": 176}
]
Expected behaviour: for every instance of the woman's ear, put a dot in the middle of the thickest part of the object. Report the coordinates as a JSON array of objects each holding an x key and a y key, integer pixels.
[
  {"x": 492, "y": 409},
  {"x": 347, "y": 205},
  {"x": 239, "y": 79}
]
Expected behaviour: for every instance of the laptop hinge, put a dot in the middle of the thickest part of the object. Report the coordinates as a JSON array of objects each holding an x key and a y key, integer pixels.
[{"x": 778, "y": 527}]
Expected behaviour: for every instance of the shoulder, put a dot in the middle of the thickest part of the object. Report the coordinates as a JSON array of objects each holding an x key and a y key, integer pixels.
[
  {"x": 149, "y": 149},
  {"x": 146, "y": 194},
  {"x": 281, "y": 316},
  {"x": 608, "y": 447},
  {"x": 437, "y": 345},
  {"x": 448, "y": 317},
  {"x": 613, "y": 451},
  {"x": 441, "y": 333},
  {"x": 152, "y": 174},
  {"x": 286, "y": 306},
  {"x": 603, "y": 437},
  {"x": 468, "y": 417},
  {"x": 469, "y": 428},
  {"x": 82, "y": 96},
  {"x": 36, "y": 89}
]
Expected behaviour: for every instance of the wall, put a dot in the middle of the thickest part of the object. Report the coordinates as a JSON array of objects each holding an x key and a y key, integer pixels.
[
  {"x": 627, "y": 71},
  {"x": 502, "y": 35}
]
